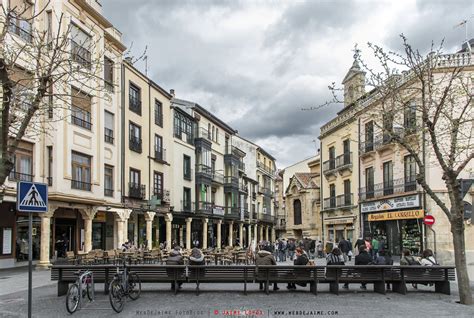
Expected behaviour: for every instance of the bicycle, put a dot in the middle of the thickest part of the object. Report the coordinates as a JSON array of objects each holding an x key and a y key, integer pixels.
[
  {"x": 83, "y": 286},
  {"x": 125, "y": 283}
]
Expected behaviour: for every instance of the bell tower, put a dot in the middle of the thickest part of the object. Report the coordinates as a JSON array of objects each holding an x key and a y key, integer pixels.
[{"x": 354, "y": 83}]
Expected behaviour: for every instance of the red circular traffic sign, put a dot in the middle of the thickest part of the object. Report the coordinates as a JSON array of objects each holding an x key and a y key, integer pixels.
[{"x": 429, "y": 220}]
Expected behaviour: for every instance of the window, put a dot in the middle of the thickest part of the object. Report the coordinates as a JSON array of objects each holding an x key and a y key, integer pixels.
[
  {"x": 135, "y": 142},
  {"x": 81, "y": 109},
  {"x": 209, "y": 136},
  {"x": 81, "y": 171},
  {"x": 109, "y": 128},
  {"x": 49, "y": 90},
  {"x": 109, "y": 181},
  {"x": 108, "y": 74},
  {"x": 410, "y": 117},
  {"x": 50, "y": 165},
  {"x": 217, "y": 135},
  {"x": 158, "y": 113},
  {"x": 213, "y": 133},
  {"x": 186, "y": 199},
  {"x": 410, "y": 173},
  {"x": 158, "y": 184},
  {"x": 346, "y": 145},
  {"x": 332, "y": 158},
  {"x": 369, "y": 182},
  {"x": 369, "y": 136},
  {"x": 183, "y": 127},
  {"x": 187, "y": 167},
  {"x": 388, "y": 178},
  {"x": 135, "y": 188},
  {"x": 22, "y": 163},
  {"x": 332, "y": 195},
  {"x": 49, "y": 24},
  {"x": 21, "y": 26},
  {"x": 159, "y": 151},
  {"x": 134, "y": 99},
  {"x": 347, "y": 193},
  {"x": 297, "y": 212},
  {"x": 81, "y": 42},
  {"x": 387, "y": 127}
]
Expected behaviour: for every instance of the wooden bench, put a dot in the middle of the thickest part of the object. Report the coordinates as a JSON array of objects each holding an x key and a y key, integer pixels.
[
  {"x": 221, "y": 274},
  {"x": 440, "y": 276},
  {"x": 288, "y": 274},
  {"x": 153, "y": 273}
]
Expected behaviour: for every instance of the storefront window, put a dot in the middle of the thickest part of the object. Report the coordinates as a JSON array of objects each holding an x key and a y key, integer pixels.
[{"x": 22, "y": 238}]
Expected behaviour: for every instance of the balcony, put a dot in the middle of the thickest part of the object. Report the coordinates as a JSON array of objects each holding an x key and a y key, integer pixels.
[
  {"x": 18, "y": 176},
  {"x": 217, "y": 177},
  {"x": 188, "y": 138},
  {"x": 329, "y": 166},
  {"x": 345, "y": 200},
  {"x": 246, "y": 214},
  {"x": 160, "y": 155},
  {"x": 136, "y": 190},
  {"x": 204, "y": 207},
  {"x": 203, "y": 170},
  {"x": 81, "y": 122},
  {"x": 163, "y": 196},
  {"x": 135, "y": 144},
  {"x": 383, "y": 189},
  {"x": 344, "y": 162},
  {"x": 366, "y": 146},
  {"x": 266, "y": 218},
  {"x": 109, "y": 135},
  {"x": 329, "y": 203},
  {"x": 243, "y": 187},
  {"x": 187, "y": 206},
  {"x": 230, "y": 181},
  {"x": 135, "y": 105},
  {"x": 382, "y": 141},
  {"x": 232, "y": 213},
  {"x": 265, "y": 168},
  {"x": 80, "y": 185},
  {"x": 242, "y": 166},
  {"x": 266, "y": 191},
  {"x": 203, "y": 133}
]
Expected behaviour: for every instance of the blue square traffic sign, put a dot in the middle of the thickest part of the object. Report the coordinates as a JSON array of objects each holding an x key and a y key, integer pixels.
[{"x": 32, "y": 197}]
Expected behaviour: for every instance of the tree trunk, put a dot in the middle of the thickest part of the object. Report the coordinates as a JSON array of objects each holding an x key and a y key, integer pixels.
[{"x": 457, "y": 228}]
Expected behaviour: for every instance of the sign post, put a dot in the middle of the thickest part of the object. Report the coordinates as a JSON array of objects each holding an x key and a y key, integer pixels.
[
  {"x": 429, "y": 220},
  {"x": 31, "y": 197}
]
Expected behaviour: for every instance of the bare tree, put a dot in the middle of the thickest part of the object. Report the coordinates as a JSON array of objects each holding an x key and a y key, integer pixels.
[
  {"x": 41, "y": 55},
  {"x": 424, "y": 103}
]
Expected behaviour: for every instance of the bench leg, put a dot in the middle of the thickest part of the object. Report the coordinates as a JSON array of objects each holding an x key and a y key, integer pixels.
[
  {"x": 399, "y": 287},
  {"x": 334, "y": 288},
  {"x": 245, "y": 288},
  {"x": 197, "y": 289},
  {"x": 379, "y": 287},
  {"x": 443, "y": 287},
  {"x": 313, "y": 288},
  {"x": 266, "y": 288},
  {"x": 62, "y": 288}
]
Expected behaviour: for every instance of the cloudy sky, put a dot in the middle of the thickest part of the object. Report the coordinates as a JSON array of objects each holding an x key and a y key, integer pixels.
[{"x": 255, "y": 64}]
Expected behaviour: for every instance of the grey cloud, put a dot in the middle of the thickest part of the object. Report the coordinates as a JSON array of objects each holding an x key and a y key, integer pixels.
[{"x": 436, "y": 21}]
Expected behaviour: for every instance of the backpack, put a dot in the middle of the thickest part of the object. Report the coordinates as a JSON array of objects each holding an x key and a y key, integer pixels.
[{"x": 412, "y": 261}]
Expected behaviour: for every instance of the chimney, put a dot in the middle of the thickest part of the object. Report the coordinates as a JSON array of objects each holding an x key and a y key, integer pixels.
[{"x": 172, "y": 92}]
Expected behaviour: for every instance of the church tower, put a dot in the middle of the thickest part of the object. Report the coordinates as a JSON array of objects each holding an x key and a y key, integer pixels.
[{"x": 354, "y": 83}]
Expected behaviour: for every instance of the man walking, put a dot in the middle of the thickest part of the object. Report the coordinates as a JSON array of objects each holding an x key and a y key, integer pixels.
[{"x": 344, "y": 247}]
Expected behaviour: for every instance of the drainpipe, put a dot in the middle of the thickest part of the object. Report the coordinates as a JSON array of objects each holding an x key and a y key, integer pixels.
[
  {"x": 122, "y": 146},
  {"x": 361, "y": 228},
  {"x": 151, "y": 140},
  {"x": 321, "y": 196}
]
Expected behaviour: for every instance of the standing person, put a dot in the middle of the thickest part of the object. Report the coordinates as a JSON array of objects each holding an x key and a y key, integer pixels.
[
  {"x": 350, "y": 253},
  {"x": 301, "y": 259},
  {"x": 357, "y": 244},
  {"x": 291, "y": 249},
  {"x": 319, "y": 247},
  {"x": 368, "y": 245},
  {"x": 175, "y": 258},
  {"x": 312, "y": 249},
  {"x": 345, "y": 247},
  {"x": 265, "y": 257},
  {"x": 375, "y": 247},
  {"x": 363, "y": 259}
]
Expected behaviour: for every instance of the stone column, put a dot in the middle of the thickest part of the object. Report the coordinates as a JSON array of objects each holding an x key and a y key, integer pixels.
[
  {"x": 204, "y": 233},
  {"x": 149, "y": 216},
  {"x": 188, "y": 233},
  {"x": 168, "y": 219},
  {"x": 120, "y": 232},
  {"x": 273, "y": 235},
  {"x": 249, "y": 235},
  {"x": 219, "y": 236},
  {"x": 231, "y": 234},
  {"x": 121, "y": 216},
  {"x": 45, "y": 238},
  {"x": 241, "y": 234},
  {"x": 88, "y": 215},
  {"x": 267, "y": 238},
  {"x": 255, "y": 234},
  {"x": 181, "y": 234},
  {"x": 260, "y": 233}
]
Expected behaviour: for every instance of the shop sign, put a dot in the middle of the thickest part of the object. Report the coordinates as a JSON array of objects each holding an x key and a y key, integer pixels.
[
  {"x": 411, "y": 201},
  {"x": 218, "y": 210},
  {"x": 339, "y": 221},
  {"x": 100, "y": 217},
  {"x": 399, "y": 215}
]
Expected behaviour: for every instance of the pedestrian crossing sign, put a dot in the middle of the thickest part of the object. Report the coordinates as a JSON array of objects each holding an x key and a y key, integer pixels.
[{"x": 32, "y": 197}]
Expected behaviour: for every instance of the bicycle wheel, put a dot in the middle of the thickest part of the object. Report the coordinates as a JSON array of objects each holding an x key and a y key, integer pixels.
[
  {"x": 89, "y": 290},
  {"x": 134, "y": 286},
  {"x": 72, "y": 298},
  {"x": 116, "y": 297}
]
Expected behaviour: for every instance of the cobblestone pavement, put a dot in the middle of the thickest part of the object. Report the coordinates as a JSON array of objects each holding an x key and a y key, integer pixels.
[{"x": 228, "y": 300}]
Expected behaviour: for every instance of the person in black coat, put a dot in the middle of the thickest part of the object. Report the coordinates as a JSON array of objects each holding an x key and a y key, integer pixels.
[
  {"x": 363, "y": 259},
  {"x": 301, "y": 259},
  {"x": 358, "y": 243},
  {"x": 175, "y": 258}
]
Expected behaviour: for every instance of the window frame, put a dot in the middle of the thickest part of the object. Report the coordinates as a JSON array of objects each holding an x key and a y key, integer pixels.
[
  {"x": 108, "y": 173},
  {"x": 84, "y": 184}
]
